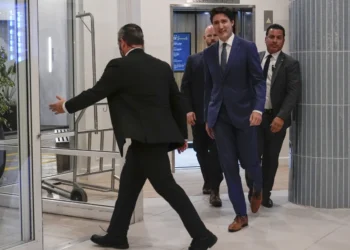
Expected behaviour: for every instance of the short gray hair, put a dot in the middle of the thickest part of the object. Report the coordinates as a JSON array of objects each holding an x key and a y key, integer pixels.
[{"x": 132, "y": 34}]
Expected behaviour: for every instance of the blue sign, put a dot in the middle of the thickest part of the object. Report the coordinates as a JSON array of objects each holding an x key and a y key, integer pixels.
[{"x": 181, "y": 50}]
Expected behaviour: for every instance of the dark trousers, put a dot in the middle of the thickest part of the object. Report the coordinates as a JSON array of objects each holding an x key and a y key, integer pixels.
[
  {"x": 269, "y": 148},
  {"x": 235, "y": 145},
  {"x": 151, "y": 161},
  {"x": 207, "y": 155}
]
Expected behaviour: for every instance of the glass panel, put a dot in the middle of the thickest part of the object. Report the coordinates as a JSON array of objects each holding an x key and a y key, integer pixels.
[
  {"x": 68, "y": 65},
  {"x": 16, "y": 158},
  {"x": 203, "y": 21},
  {"x": 237, "y": 27},
  {"x": 247, "y": 26},
  {"x": 55, "y": 74}
]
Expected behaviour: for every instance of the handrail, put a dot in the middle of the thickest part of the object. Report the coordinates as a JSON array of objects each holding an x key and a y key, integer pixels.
[{"x": 93, "y": 48}]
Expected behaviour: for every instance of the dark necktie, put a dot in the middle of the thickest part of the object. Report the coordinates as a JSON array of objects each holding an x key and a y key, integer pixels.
[
  {"x": 223, "y": 57},
  {"x": 266, "y": 66}
]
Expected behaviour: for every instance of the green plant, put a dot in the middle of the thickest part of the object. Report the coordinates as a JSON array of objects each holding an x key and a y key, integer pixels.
[{"x": 7, "y": 86}]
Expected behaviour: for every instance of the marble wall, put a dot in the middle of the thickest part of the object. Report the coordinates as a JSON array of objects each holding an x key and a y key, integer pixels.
[{"x": 319, "y": 39}]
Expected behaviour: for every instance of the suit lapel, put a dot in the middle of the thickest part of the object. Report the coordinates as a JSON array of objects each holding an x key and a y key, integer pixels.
[
  {"x": 262, "y": 55},
  {"x": 214, "y": 55},
  {"x": 279, "y": 62},
  {"x": 233, "y": 53}
]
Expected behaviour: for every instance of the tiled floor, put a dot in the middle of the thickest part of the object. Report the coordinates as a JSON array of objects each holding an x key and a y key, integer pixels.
[
  {"x": 191, "y": 181},
  {"x": 285, "y": 227}
]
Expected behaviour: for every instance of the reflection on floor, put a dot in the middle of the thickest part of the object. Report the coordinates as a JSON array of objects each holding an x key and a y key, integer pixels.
[
  {"x": 284, "y": 227},
  {"x": 59, "y": 231},
  {"x": 10, "y": 226},
  {"x": 9, "y": 181},
  {"x": 190, "y": 178}
]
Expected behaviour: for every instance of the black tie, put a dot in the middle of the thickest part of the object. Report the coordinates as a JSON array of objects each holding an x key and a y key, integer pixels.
[
  {"x": 223, "y": 57},
  {"x": 266, "y": 66}
]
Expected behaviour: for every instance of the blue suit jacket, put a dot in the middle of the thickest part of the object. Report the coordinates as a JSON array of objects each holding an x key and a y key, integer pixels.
[{"x": 241, "y": 87}]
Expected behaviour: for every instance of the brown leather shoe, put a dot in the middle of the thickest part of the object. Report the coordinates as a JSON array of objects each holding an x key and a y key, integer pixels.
[
  {"x": 255, "y": 201},
  {"x": 214, "y": 199},
  {"x": 239, "y": 223}
]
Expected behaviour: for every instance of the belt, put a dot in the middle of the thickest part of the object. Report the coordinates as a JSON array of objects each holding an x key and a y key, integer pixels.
[{"x": 268, "y": 111}]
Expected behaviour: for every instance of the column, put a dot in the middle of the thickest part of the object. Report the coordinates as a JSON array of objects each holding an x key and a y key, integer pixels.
[
  {"x": 129, "y": 11},
  {"x": 320, "y": 152}
]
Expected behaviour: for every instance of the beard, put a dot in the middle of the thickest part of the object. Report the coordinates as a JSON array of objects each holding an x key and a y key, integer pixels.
[{"x": 121, "y": 52}]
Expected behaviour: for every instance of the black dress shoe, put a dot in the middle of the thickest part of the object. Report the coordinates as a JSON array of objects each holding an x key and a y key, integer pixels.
[
  {"x": 203, "y": 243},
  {"x": 109, "y": 241},
  {"x": 206, "y": 191},
  {"x": 267, "y": 203},
  {"x": 214, "y": 199}
]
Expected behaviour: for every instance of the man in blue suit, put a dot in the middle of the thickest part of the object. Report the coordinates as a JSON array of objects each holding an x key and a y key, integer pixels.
[{"x": 235, "y": 92}]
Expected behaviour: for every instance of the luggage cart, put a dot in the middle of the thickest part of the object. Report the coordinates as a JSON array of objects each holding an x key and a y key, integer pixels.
[{"x": 78, "y": 193}]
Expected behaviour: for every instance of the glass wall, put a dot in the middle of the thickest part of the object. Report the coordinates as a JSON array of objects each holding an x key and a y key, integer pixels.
[
  {"x": 20, "y": 208},
  {"x": 80, "y": 160}
]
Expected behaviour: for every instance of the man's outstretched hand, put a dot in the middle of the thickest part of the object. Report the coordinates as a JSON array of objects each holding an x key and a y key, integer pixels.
[{"x": 57, "y": 107}]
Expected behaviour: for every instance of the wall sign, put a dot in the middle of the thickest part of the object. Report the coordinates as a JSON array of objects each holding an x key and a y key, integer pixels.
[
  {"x": 181, "y": 50},
  {"x": 268, "y": 18},
  {"x": 213, "y": 1}
]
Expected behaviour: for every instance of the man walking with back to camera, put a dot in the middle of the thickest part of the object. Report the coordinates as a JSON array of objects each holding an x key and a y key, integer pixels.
[
  {"x": 193, "y": 88},
  {"x": 146, "y": 106},
  {"x": 283, "y": 80},
  {"x": 234, "y": 101}
]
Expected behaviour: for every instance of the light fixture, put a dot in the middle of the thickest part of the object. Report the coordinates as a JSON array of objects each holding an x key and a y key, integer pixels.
[{"x": 50, "y": 54}]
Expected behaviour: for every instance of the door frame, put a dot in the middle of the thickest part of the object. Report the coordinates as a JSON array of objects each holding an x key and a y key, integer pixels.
[
  {"x": 30, "y": 171},
  {"x": 76, "y": 76}
]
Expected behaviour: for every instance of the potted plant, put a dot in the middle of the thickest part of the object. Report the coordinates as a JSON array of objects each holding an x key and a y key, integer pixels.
[
  {"x": 11, "y": 115},
  {"x": 7, "y": 91}
]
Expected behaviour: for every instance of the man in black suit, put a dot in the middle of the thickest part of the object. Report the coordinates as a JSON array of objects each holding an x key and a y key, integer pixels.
[
  {"x": 193, "y": 88},
  {"x": 146, "y": 106},
  {"x": 283, "y": 86}
]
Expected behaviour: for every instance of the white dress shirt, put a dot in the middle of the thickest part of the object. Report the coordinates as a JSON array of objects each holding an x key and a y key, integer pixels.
[
  {"x": 228, "y": 46},
  {"x": 272, "y": 66}
]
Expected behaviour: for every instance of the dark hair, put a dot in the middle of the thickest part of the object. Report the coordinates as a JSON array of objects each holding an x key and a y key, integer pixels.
[
  {"x": 221, "y": 10},
  {"x": 276, "y": 26},
  {"x": 132, "y": 34}
]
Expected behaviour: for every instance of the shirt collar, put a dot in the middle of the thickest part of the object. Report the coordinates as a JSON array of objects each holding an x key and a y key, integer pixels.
[
  {"x": 229, "y": 40},
  {"x": 274, "y": 55},
  {"x": 127, "y": 53}
]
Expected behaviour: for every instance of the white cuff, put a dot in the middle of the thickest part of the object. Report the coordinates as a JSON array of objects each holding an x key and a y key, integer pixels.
[
  {"x": 64, "y": 107},
  {"x": 257, "y": 111}
]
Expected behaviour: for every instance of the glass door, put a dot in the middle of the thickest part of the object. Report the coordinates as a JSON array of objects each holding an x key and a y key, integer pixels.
[
  {"x": 81, "y": 164},
  {"x": 20, "y": 168}
]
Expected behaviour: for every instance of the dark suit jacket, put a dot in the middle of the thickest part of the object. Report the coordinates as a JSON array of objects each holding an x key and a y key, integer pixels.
[
  {"x": 144, "y": 100},
  {"x": 285, "y": 86},
  {"x": 193, "y": 85},
  {"x": 241, "y": 88}
]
